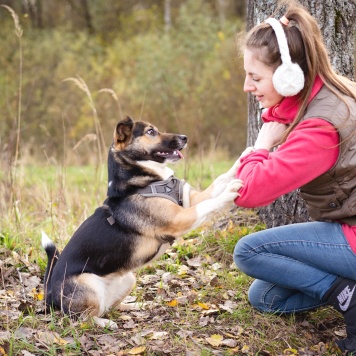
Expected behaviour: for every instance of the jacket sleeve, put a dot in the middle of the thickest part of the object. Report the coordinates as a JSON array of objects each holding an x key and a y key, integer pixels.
[{"x": 310, "y": 150}]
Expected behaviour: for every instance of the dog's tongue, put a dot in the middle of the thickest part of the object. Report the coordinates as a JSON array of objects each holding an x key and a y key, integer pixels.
[{"x": 180, "y": 154}]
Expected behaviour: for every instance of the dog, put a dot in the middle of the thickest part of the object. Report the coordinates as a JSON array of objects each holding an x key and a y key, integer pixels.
[{"x": 146, "y": 209}]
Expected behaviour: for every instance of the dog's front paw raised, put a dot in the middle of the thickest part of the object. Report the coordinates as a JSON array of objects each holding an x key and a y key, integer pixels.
[{"x": 230, "y": 192}]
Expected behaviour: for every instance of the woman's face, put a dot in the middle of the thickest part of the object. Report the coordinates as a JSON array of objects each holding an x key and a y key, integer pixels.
[{"x": 258, "y": 81}]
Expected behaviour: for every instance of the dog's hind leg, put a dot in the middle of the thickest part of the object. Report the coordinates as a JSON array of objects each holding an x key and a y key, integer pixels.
[
  {"x": 117, "y": 288},
  {"x": 120, "y": 288},
  {"x": 92, "y": 299},
  {"x": 105, "y": 323}
]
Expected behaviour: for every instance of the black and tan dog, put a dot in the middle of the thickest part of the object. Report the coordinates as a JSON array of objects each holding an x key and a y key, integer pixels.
[{"x": 146, "y": 209}]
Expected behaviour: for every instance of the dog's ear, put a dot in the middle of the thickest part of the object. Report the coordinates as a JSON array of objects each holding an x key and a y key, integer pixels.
[{"x": 123, "y": 132}]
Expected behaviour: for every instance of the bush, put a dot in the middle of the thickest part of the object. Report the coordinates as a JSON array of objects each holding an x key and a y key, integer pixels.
[{"x": 187, "y": 80}]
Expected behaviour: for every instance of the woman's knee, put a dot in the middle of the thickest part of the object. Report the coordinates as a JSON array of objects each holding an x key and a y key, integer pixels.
[
  {"x": 257, "y": 293},
  {"x": 245, "y": 250},
  {"x": 240, "y": 253}
]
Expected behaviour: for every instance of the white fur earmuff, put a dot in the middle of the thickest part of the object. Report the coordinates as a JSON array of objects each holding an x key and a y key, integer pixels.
[{"x": 288, "y": 78}]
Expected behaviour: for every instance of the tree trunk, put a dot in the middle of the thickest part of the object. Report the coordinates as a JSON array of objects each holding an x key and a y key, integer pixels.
[
  {"x": 167, "y": 15},
  {"x": 337, "y": 23}
]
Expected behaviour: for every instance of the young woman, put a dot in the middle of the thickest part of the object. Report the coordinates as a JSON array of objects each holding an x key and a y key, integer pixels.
[{"x": 310, "y": 117}]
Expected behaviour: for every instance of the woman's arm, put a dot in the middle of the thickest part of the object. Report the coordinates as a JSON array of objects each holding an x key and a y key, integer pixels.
[{"x": 311, "y": 149}]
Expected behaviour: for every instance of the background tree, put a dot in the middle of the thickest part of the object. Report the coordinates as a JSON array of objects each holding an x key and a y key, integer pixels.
[{"x": 337, "y": 23}]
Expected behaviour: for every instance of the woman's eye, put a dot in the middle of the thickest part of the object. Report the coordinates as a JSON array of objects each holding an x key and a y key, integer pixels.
[{"x": 255, "y": 80}]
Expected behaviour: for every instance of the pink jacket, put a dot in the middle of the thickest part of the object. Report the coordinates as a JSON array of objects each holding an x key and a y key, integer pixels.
[{"x": 308, "y": 152}]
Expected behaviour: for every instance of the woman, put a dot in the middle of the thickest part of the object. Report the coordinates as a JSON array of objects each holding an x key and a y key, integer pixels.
[{"x": 311, "y": 116}]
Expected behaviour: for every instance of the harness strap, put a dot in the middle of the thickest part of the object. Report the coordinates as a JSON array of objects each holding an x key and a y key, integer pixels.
[{"x": 171, "y": 188}]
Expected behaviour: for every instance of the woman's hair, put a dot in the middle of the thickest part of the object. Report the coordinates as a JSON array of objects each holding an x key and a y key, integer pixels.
[{"x": 306, "y": 47}]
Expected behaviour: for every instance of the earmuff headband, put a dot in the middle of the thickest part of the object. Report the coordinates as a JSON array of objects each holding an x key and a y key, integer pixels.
[
  {"x": 281, "y": 39},
  {"x": 288, "y": 78}
]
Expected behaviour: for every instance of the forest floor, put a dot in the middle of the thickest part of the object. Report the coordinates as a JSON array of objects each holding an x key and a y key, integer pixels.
[{"x": 194, "y": 302}]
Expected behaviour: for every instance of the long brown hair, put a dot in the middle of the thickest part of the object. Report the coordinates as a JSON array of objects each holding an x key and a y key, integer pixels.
[{"x": 306, "y": 47}]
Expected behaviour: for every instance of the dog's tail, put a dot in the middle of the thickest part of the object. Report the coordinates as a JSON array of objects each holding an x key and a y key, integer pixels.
[{"x": 52, "y": 255}]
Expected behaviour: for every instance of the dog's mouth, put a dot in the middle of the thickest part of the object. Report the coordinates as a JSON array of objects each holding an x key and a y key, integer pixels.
[{"x": 174, "y": 155}]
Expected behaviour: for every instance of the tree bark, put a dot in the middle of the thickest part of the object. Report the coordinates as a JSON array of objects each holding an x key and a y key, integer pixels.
[
  {"x": 167, "y": 15},
  {"x": 337, "y": 23}
]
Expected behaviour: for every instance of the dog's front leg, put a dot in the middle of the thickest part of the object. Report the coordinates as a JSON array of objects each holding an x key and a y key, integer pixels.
[
  {"x": 219, "y": 184},
  {"x": 228, "y": 195}
]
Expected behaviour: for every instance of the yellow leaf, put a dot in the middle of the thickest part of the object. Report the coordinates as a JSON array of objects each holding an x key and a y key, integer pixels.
[
  {"x": 60, "y": 341},
  {"x": 137, "y": 350},
  {"x": 52, "y": 338},
  {"x": 215, "y": 340},
  {"x": 84, "y": 326},
  {"x": 245, "y": 349},
  {"x": 173, "y": 303},
  {"x": 2, "y": 351},
  {"x": 37, "y": 296},
  {"x": 290, "y": 351},
  {"x": 182, "y": 270},
  {"x": 203, "y": 306}
]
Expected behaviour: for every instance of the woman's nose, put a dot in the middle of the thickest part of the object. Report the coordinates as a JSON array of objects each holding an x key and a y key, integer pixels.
[{"x": 249, "y": 86}]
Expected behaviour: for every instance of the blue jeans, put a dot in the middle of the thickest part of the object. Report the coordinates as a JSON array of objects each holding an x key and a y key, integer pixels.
[{"x": 294, "y": 265}]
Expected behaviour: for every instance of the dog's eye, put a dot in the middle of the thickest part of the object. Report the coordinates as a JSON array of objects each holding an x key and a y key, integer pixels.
[{"x": 151, "y": 132}]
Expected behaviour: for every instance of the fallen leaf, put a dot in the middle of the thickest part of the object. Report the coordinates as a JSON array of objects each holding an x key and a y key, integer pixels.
[
  {"x": 37, "y": 295},
  {"x": 52, "y": 338},
  {"x": 173, "y": 303},
  {"x": 137, "y": 350},
  {"x": 159, "y": 335},
  {"x": 125, "y": 317},
  {"x": 245, "y": 349},
  {"x": 182, "y": 270},
  {"x": 290, "y": 351},
  {"x": 340, "y": 333},
  {"x": 194, "y": 262},
  {"x": 216, "y": 266},
  {"x": 203, "y": 305},
  {"x": 229, "y": 342},
  {"x": 215, "y": 340},
  {"x": 130, "y": 324},
  {"x": 182, "y": 300}
]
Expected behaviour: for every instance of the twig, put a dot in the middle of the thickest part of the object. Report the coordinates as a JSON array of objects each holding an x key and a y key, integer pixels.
[
  {"x": 22, "y": 285},
  {"x": 6, "y": 306}
]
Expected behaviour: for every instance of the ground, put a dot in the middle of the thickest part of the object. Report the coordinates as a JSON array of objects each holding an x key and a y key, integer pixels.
[{"x": 193, "y": 302}]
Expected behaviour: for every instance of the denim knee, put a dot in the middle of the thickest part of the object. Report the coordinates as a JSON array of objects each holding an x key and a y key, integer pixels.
[
  {"x": 240, "y": 252},
  {"x": 257, "y": 294}
]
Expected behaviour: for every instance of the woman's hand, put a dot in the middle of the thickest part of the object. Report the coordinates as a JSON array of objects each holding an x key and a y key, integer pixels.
[{"x": 270, "y": 135}]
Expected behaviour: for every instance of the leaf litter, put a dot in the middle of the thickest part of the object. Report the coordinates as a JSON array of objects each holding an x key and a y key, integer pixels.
[{"x": 187, "y": 308}]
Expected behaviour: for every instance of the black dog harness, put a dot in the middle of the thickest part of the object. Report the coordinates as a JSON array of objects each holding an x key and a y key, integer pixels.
[{"x": 171, "y": 188}]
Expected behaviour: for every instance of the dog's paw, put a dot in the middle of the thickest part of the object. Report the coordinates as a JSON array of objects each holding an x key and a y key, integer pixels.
[
  {"x": 105, "y": 323},
  {"x": 234, "y": 185},
  {"x": 224, "y": 179},
  {"x": 230, "y": 192},
  {"x": 130, "y": 306}
]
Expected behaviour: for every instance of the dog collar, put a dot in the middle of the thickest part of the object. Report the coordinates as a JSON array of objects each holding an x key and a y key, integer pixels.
[{"x": 171, "y": 188}]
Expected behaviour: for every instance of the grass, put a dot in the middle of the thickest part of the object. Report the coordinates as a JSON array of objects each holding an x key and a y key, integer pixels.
[{"x": 187, "y": 290}]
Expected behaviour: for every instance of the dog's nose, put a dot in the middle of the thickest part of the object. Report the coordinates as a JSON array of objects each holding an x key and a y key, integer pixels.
[{"x": 183, "y": 138}]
